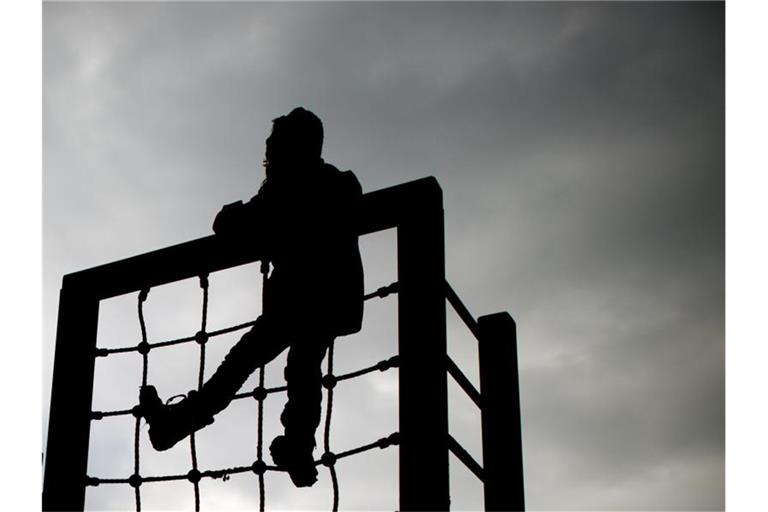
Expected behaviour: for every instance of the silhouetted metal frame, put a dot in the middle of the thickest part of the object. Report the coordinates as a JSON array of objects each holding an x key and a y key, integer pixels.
[
  {"x": 414, "y": 208},
  {"x": 499, "y": 403},
  {"x": 500, "y": 413}
]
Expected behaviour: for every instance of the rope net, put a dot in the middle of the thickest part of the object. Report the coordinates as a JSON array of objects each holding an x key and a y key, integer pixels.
[{"x": 260, "y": 393}]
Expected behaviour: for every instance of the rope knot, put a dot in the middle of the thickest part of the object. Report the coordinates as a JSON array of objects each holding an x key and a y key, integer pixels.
[
  {"x": 193, "y": 476},
  {"x": 259, "y": 393},
  {"x": 201, "y": 337},
  {"x": 259, "y": 467},
  {"x": 135, "y": 480},
  {"x": 328, "y": 459},
  {"x": 386, "y": 290},
  {"x": 390, "y": 440},
  {"x": 392, "y": 362},
  {"x": 329, "y": 381}
]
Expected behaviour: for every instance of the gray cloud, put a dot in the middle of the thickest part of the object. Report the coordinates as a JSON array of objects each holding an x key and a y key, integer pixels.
[{"x": 580, "y": 147}]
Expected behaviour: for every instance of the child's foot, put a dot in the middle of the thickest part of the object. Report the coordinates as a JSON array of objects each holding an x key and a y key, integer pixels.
[
  {"x": 169, "y": 424},
  {"x": 296, "y": 458}
]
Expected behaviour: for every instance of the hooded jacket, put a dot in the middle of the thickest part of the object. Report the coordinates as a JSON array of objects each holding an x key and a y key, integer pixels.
[{"x": 306, "y": 224}]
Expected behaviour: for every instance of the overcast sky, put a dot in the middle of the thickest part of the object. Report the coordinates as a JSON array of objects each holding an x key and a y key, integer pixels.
[{"x": 580, "y": 148}]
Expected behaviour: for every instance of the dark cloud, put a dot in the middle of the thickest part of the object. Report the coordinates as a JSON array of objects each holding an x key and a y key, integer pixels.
[{"x": 580, "y": 147}]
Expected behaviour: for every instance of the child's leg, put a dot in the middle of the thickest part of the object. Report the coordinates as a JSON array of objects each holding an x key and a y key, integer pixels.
[
  {"x": 301, "y": 416},
  {"x": 303, "y": 375},
  {"x": 256, "y": 348},
  {"x": 171, "y": 423}
]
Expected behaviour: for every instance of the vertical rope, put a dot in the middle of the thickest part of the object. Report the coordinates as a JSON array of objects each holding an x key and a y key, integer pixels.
[
  {"x": 202, "y": 335},
  {"x": 260, "y": 440},
  {"x": 201, "y": 338},
  {"x": 327, "y": 433},
  {"x": 143, "y": 350},
  {"x": 260, "y": 415}
]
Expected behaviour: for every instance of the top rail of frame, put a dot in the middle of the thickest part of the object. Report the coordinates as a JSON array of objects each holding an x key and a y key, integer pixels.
[{"x": 381, "y": 209}]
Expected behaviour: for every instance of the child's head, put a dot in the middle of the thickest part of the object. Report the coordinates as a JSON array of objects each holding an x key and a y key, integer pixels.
[{"x": 296, "y": 140}]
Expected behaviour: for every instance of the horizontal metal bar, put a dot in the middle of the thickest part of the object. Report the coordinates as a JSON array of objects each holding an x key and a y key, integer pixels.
[
  {"x": 462, "y": 310},
  {"x": 464, "y": 382},
  {"x": 379, "y": 210},
  {"x": 465, "y": 457}
]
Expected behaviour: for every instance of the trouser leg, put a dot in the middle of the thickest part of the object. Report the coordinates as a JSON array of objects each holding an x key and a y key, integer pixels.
[
  {"x": 303, "y": 375},
  {"x": 256, "y": 348}
]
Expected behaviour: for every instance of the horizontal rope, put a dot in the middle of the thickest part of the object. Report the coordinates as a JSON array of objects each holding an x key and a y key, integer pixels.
[
  {"x": 255, "y": 393},
  {"x": 383, "y": 291},
  {"x": 386, "y": 364},
  {"x": 384, "y": 442},
  {"x": 103, "y": 352},
  {"x": 97, "y": 415},
  {"x": 256, "y": 467},
  {"x": 381, "y": 366}
]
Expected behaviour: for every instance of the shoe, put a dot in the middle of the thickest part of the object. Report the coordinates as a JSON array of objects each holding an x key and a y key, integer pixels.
[
  {"x": 296, "y": 459},
  {"x": 169, "y": 424}
]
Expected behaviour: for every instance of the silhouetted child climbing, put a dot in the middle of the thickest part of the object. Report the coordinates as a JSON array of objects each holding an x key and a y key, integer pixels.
[{"x": 303, "y": 216}]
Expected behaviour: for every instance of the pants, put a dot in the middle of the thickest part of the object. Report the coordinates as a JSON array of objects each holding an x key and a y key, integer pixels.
[{"x": 266, "y": 340}]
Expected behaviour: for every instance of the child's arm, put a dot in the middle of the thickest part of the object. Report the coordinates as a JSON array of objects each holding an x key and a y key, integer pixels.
[{"x": 236, "y": 218}]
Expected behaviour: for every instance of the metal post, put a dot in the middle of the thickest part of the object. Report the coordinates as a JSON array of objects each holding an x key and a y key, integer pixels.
[
  {"x": 67, "y": 448},
  {"x": 502, "y": 436},
  {"x": 422, "y": 346}
]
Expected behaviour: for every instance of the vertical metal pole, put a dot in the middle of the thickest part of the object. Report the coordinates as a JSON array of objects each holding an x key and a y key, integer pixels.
[
  {"x": 422, "y": 347},
  {"x": 69, "y": 423},
  {"x": 502, "y": 435}
]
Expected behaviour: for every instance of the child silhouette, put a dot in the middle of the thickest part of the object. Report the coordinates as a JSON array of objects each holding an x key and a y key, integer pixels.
[{"x": 303, "y": 216}]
